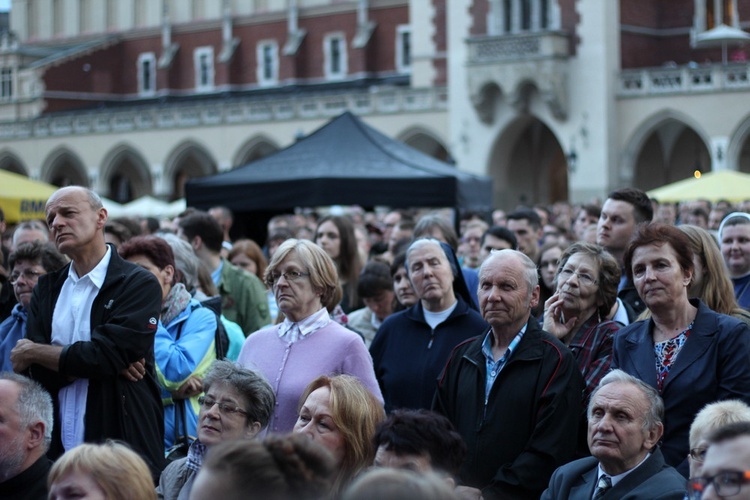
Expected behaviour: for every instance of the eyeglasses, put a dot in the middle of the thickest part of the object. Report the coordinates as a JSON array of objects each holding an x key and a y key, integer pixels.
[
  {"x": 698, "y": 454},
  {"x": 224, "y": 408},
  {"x": 583, "y": 278},
  {"x": 273, "y": 278},
  {"x": 726, "y": 483},
  {"x": 28, "y": 275}
]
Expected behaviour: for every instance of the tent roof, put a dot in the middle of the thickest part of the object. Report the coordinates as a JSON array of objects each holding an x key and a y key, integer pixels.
[
  {"x": 344, "y": 162},
  {"x": 22, "y": 198},
  {"x": 713, "y": 186}
]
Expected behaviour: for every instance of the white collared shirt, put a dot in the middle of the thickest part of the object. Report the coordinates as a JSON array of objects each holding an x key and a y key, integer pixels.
[
  {"x": 616, "y": 479},
  {"x": 71, "y": 323},
  {"x": 295, "y": 331}
]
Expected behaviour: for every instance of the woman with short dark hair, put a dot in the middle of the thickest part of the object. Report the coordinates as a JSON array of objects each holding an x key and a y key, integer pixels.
[
  {"x": 237, "y": 405},
  {"x": 692, "y": 355},
  {"x": 184, "y": 345},
  {"x": 585, "y": 290}
]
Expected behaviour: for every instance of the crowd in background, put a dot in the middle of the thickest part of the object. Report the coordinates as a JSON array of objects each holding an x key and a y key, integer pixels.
[{"x": 341, "y": 326}]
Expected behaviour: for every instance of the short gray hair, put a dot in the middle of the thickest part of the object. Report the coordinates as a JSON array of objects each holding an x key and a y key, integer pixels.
[
  {"x": 184, "y": 258},
  {"x": 259, "y": 397},
  {"x": 30, "y": 225},
  {"x": 94, "y": 199},
  {"x": 530, "y": 271},
  {"x": 655, "y": 414},
  {"x": 34, "y": 404}
]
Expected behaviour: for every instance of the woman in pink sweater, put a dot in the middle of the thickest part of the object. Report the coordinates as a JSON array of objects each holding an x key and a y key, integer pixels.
[{"x": 307, "y": 343}]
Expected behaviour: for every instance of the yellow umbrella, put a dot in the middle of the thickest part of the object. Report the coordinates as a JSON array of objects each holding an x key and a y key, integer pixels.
[
  {"x": 22, "y": 198},
  {"x": 713, "y": 186}
]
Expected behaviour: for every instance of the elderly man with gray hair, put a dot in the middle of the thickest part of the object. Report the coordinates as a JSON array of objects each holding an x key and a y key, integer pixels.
[
  {"x": 625, "y": 423},
  {"x": 513, "y": 392},
  {"x": 25, "y": 435}
]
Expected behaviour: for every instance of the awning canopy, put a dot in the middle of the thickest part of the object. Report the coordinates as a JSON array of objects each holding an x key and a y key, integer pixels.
[
  {"x": 345, "y": 162},
  {"x": 713, "y": 186},
  {"x": 22, "y": 198}
]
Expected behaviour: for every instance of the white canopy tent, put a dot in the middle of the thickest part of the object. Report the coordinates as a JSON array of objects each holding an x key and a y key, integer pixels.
[{"x": 145, "y": 206}]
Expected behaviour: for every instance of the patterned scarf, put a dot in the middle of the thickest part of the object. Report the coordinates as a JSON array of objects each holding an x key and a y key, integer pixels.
[{"x": 177, "y": 300}]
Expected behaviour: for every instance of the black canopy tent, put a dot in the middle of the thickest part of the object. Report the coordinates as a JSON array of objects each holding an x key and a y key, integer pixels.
[{"x": 345, "y": 162}]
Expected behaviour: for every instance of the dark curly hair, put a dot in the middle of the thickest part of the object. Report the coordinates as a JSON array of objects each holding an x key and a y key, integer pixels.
[
  {"x": 277, "y": 468},
  {"x": 416, "y": 432}
]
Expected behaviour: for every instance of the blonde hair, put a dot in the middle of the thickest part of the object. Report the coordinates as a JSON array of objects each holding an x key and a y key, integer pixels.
[
  {"x": 117, "y": 469},
  {"x": 323, "y": 275},
  {"x": 716, "y": 415},
  {"x": 716, "y": 290},
  {"x": 356, "y": 414}
]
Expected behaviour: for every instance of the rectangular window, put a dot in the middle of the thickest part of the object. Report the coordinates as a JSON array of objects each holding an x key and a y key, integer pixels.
[
  {"x": 58, "y": 18},
  {"x": 203, "y": 59},
  {"x": 403, "y": 49},
  {"x": 334, "y": 48},
  {"x": 147, "y": 74},
  {"x": 268, "y": 62},
  {"x": 6, "y": 83}
]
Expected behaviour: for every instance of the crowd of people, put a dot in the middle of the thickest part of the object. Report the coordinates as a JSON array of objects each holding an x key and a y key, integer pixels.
[{"x": 585, "y": 352}]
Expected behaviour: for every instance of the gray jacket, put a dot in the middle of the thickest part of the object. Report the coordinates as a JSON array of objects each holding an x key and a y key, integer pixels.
[{"x": 175, "y": 481}]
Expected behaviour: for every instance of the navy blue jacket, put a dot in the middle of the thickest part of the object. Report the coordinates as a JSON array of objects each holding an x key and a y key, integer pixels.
[
  {"x": 408, "y": 355},
  {"x": 714, "y": 364}
]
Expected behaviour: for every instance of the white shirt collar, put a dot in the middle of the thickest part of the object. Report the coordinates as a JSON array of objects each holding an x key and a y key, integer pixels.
[
  {"x": 616, "y": 479},
  {"x": 305, "y": 327},
  {"x": 96, "y": 275}
]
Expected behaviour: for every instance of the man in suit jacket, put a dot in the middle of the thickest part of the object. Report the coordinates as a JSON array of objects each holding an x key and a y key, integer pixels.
[{"x": 625, "y": 424}]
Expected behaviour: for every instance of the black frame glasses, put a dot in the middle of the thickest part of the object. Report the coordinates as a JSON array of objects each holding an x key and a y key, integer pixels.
[{"x": 727, "y": 483}]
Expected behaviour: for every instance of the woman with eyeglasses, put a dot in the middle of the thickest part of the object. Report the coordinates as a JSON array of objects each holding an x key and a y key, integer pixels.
[
  {"x": 692, "y": 355},
  {"x": 585, "y": 290},
  {"x": 237, "y": 404},
  {"x": 26, "y": 264},
  {"x": 307, "y": 343}
]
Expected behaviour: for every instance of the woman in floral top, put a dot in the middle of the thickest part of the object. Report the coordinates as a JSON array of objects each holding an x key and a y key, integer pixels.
[{"x": 692, "y": 355}]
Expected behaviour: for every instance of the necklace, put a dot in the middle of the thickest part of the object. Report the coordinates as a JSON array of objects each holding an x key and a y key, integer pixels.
[{"x": 665, "y": 334}]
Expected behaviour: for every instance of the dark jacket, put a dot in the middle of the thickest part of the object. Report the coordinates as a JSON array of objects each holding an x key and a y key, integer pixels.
[
  {"x": 632, "y": 301},
  {"x": 653, "y": 479},
  {"x": 123, "y": 319},
  {"x": 408, "y": 355},
  {"x": 714, "y": 364},
  {"x": 529, "y": 425},
  {"x": 30, "y": 484}
]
